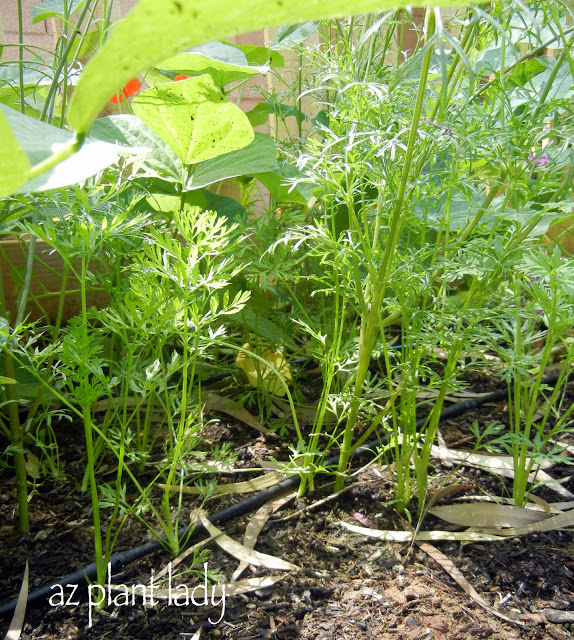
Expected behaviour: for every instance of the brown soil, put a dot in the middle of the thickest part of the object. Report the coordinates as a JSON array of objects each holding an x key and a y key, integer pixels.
[{"x": 349, "y": 586}]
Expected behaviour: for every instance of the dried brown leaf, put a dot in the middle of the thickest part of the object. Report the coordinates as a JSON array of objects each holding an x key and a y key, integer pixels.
[
  {"x": 213, "y": 402},
  {"x": 456, "y": 575},
  {"x": 217, "y": 590},
  {"x": 553, "y": 523},
  {"x": 476, "y": 514},
  {"x": 17, "y": 623},
  {"x": 256, "y": 524},
  {"x": 246, "y": 486},
  {"x": 241, "y": 552},
  {"x": 407, "y": 536}
]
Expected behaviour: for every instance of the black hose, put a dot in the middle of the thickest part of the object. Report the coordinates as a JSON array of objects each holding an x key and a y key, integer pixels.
[{"x": 119, "y": 560}]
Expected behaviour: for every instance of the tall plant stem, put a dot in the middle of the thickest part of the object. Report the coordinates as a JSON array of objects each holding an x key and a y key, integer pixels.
[
  {"x": 17, "y": 441},
  {"x": 88, "y": 431},
  {"x": 63, "y": 61},
  {"x": 55, "y": 334},
  {"x": 527, "y": 56},
  {"x": 15, "y": 428},
  {"x": 369, "y": 325},
  {"x": 21, "y": 55},
  {"x": 16, "y": 438}
]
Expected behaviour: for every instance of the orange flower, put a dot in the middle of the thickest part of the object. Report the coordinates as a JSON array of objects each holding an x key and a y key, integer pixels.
[
  {"x": 180, "y": 77},
  {"x": 131, "y": 87}
]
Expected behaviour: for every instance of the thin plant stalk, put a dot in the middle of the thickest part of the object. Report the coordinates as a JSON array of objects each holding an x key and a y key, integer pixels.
[
  {"x": 369, "y": 324},
  {"x": 21, "y": 56},
  {"x": 90, "y": 462}
]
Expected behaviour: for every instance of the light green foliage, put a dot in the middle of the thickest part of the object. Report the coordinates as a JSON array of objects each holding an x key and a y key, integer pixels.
[
  {"x": 194, "y": 118},
  {"x": 14, "y": 164},
  {"x": 130, "y": 131},
  {"x": 533, "y": 325},
  {"x": 38, "y": 141},
  {"x": 54, "y": 9},
  {"x": 174, "y": 25},
  {"x": 259, "y": 155},
  {"x": 418, "y": 196},
  {"x": 222, "y": 73},
  {"x": 429, "y": 181}
]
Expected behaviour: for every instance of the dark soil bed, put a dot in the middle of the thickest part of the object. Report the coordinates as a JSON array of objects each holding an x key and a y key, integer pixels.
[{"x": 348, "y": 586}]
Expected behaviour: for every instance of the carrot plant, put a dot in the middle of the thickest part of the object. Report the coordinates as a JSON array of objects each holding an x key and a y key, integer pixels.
[
  {"x": 536, "y": 326},
  {"x": 418, "y": 167}
]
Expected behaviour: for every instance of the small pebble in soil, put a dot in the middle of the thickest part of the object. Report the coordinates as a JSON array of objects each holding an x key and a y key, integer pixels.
[
  {"x": 398, "y": 568},
  {"x": 411, "y": 621}
]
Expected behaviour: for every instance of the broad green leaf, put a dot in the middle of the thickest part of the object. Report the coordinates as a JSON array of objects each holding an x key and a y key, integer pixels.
[
  {"x": 280, "y": 187},
  {"x": 54, "y": 9},
  {"x": 14, "y": 164},
  {"x": 223, "y": 205},
  {"x": 131, "y": 131},
  {"x": 33, "y": 76},
  {"x": 489, "y": 60},
  {"x": 525, "y": 71},
  {"x": 163, "y": 197},
  {"x": 263, "y": 327},
  {"x": 40, "y": 141},
  {"x": 157, "y": 29},
  {"x": 292, "y": 35},
  {"x": 562, "y": 85},
  {"x": 224, "y": 52},
  {"x": 257, "y": 156},
  {"x": 261, "y": 56},
  {"x": 85, "y": 45},
  {"x": 524, "y": 215},
  {"x": 259, "y": 114},
  {"x": 194, "y": 118},
  {"x": 222, "y": 73}
]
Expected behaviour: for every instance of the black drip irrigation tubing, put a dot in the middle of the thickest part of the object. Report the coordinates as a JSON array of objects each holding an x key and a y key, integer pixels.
[{"x": 119, "y": 560}]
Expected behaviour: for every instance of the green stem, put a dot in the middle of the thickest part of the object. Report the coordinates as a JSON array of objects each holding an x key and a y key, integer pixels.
[
  {"x": 368, "y": 331},
  {"x": 21, "y": 56},
  {"x": 28, "y": 277},
  {"x": 88, "y": 431},
  {"x": 527, "y": 56},
  {"x": 56, "y": 158},
  {"x": 52, "y": 91},
  {"x": 16, "y": 438}
]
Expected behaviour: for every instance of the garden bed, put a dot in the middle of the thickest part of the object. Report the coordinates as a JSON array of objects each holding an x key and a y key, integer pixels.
[
  {"x": 392, "y": 249},
  {"x": 349, "y": 586}
]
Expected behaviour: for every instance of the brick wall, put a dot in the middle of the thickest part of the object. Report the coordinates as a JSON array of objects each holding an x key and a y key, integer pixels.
[{"x": 35, "y": 35}]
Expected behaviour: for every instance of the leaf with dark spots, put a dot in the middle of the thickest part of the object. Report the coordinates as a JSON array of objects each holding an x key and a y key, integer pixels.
[{"x": 194, "y": 119}]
